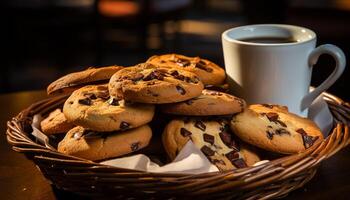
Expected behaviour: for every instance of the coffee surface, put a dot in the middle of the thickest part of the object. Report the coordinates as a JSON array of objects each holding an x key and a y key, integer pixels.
[{"x": 269, "y": 40}]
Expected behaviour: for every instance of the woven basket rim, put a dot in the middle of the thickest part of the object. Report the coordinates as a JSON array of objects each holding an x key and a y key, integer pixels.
[{"x": 303, "y": 164}]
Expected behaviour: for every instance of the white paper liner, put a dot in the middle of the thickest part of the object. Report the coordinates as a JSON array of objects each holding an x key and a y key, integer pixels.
[
  {"x": 40, "y": 136},
  {"x": 190, "y": 160}
]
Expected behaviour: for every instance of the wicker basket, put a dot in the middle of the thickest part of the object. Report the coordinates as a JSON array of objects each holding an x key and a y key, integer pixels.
[{"x": 269, "y": 180}]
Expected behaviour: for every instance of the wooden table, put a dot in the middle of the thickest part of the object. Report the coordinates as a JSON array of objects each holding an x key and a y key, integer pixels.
[{"x": 20, "y": 179}]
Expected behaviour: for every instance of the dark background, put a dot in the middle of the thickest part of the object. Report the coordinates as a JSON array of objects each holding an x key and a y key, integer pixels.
[{"x": 42, "y": 40}]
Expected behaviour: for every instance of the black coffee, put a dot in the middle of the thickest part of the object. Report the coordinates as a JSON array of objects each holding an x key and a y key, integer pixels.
[{"x": 269, "y": 40}]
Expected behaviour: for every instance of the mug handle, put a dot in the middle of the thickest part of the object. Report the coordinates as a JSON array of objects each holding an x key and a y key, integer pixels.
[{"x": 339, "y": 57}]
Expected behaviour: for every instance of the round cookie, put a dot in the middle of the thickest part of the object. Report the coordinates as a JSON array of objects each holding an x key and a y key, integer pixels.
[
  {"x": 147, "y": 83},
  {"x": 91, "y": 145},
  {"x": 208, "y": 72},
  {"x": 55, "y": 123},
  {"x": 70, "y": 82},
  {"x": 273, "y": 128},
  {"x": 213, "y": 137},
  {"x": 208, "y": 103},
  {"x": 91, "y": 107}
]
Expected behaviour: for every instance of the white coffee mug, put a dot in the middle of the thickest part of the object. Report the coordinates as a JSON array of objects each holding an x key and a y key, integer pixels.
[{"x": 277, "y": 73}]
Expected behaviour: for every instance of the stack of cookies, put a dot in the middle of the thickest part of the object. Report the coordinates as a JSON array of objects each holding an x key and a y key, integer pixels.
[{"x": 109, "y": 108}]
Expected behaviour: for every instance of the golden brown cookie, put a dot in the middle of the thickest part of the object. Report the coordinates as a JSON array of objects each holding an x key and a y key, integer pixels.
[
  {"x": 91, "y": 107},
  {"x": 93, "y": 145},
  {"x": 208, "y": 72},
  {"x": 208, "y": 103},
  {"x": 273, "y": 128},
  {"x": 213, "y": 137},
  {"x": 55, "y": 123},
  {"x": 70, "y": 82},
  {"x": 147, "y": 83}
]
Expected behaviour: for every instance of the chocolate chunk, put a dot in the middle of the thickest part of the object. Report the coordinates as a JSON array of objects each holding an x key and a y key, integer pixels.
[
  {"x": 149, "y": 77},
  {"x": 200, "y": 125},
  {"x": 232, "y": 155},
  {"x": 182, "y": 62},
  {"x": 180, "y": 89},
  {"x": 174, "y": 73},
  {"x": 228, "y": 140},
  {"x": 282, "y": 131},
  {"x": 156, "y": 74},
  {"x": 225, "y": 137},
  {"x": 207, "y": 151},
  {"x": 233, "y": 145},
  {"x": 70, "y": 102},
  {"x": 309, "y": 140},
  {"x": 137, "y": 77},
  {"x": 301, "y": 131},
  {"x": 208, "y": 138},
  {"x": 281, "y": 123},
  {"x": 180, "y": 77},
  {"x": 162, "y": 61},
  {"x": 267, "y": 105},
  {"x": 273, "y": 117},
  {"x": 202, "y": 62},
  {"x": 239, "y": 163},
  {"x": 184, "y": 132},
  {"x": 124, "y": 125},
  {"x": 269, "y": 134},
  {"x": 113, "y": 102},
  {"x": 135, "y": 146},
  {"x": 85, "y": 101},
  {"x": 202, "y": 65},
  {"x": 216, "y": 161}
]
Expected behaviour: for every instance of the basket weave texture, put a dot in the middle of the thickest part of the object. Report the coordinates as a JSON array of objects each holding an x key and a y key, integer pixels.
[{"x": 269, "y": 180}]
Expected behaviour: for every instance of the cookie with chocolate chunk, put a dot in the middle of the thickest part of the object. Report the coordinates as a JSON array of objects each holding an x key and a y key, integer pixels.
[
  {"x": 55, "y": 123},
  {"x": 70, "y": 82},
  {"x": 208, "y": 72},
  {"x": 148, "y": 83},
  {"x": 213, "y": 137},
  {"x": 91, "y": 107},
  {"x": 273, "y": 128},
  {"x": 92, "y": 145},
  {"x": 208, "y": 103}
]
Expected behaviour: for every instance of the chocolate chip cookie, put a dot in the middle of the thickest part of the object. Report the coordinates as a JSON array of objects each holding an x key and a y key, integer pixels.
[
  {"x": 273, "y": 128},
  {"x": 91, "y": 107},
  {"x": 208, "y": 103},
  {"x": 213, "y": 137},
  {"x": 70, "y": 82},
  {"x": 148, "y": 83},
  {"x": 93, "y": 145},
  {"x": 55, "y": 123},
  {"x": 208, "y": 72}
]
